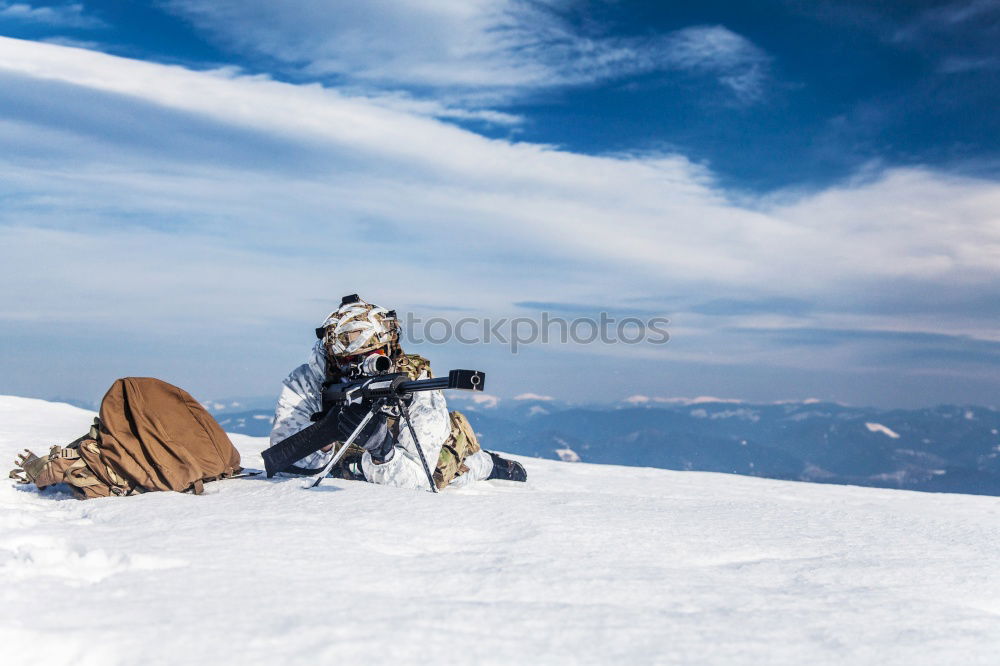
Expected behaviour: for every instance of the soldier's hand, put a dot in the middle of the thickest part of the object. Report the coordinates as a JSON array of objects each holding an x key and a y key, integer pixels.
[
  {"x": 352, "y": 415},
  {"x": 374, "y": 437}
]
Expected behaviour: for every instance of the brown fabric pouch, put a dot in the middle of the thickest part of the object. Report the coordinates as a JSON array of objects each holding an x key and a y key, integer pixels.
[
  {"x": 66, "y": 465},
  {"x": 154, "y": 436}
]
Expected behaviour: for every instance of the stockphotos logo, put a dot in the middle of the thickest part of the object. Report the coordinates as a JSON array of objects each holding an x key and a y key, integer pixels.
[{"x": 517, "y": 332}]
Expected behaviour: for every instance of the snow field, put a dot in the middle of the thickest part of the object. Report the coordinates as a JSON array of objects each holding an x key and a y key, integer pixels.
[{"x": 583, "y": 564}]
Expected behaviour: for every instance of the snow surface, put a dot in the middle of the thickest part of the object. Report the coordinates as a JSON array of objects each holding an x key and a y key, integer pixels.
[
  {"x": 885, "y": 430},
  {"x": 583, "y": 564}
]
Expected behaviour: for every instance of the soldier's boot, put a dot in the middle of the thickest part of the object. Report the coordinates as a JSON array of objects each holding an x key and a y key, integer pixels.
[{"x": 508, "y": 470}]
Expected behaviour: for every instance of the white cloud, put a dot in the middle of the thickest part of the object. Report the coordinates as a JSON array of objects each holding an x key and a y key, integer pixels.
[
  {"x": 60, "y": 16},
  {"x": 485, "y": 400},
  {"x": 533, "y": 396},
  {"x": 487, "y": 49},
  {"x": 223, "y": 197},
  {"x": 75, "y": 43},
  {"x": 737, "y": 62},
  {"x": 700, "y": 400},
  {"x": 434, "y": 108}
]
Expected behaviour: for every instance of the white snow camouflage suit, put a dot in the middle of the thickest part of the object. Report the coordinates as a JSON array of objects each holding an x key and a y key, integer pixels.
[{"x": 302, "y": 396}]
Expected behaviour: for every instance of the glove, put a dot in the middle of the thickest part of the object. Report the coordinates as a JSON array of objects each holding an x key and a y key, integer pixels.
[
  {"x": 374, "y": 437},
  {"x": 29, "y": 467}
]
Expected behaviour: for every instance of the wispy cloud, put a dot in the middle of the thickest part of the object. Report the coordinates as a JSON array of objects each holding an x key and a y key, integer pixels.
[
  {"x": 734, "y": 60},
  {"x": 949, "y": 17},
  {"x": 735, "y": 307},
  {"x": 533, "y": 396},
  {"x": 482, "y": 51},
  {"x": 75, "y": 43},
  {"x": 958, "y": 64},
  {"x": 59, "y": 16},
  {"x": 963, "y": 34},
  {"x": 220, "y": 202},
  {"x": 904, "y": 224},
  {"x": 435, "y": 108},
  {"x": 889, "y": 347}
]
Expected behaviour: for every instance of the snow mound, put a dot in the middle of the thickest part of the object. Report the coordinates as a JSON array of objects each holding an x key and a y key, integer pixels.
[
  {"x": 583, "y": 564},
  {"x": 568, "y": 455},
  {"x": 885, "y": 430}
]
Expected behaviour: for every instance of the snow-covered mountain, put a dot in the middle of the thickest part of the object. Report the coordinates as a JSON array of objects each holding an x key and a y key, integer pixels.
[
  {"x": 948, "y": 448},
  {"x": 583, "y": 564},
  {"x": 239, "y": 404}
]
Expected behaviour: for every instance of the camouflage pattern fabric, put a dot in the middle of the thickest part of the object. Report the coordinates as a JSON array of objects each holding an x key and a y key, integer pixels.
[
  {"x": 461, "y": 442},
  {"x": 348, "y": 467},
  {"x": 460, "y": 445},
  {"x": 358, "y": 327},
  {"x": 414, "y": 365}
]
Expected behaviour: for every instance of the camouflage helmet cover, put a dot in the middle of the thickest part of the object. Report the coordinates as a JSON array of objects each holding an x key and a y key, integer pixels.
[{"x": 357, "y": 327}]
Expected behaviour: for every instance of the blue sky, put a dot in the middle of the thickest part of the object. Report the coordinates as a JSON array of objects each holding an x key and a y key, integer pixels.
[{"x": 809, "y": 191}]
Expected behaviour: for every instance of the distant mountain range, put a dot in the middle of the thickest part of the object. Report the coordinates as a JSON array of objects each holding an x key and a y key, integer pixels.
[{"x": 943, "y": 449}]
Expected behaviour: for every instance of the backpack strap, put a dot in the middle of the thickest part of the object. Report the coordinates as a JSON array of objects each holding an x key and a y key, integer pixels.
[
  {"x": 117, "y": 485},
  {"x": 68, "y": 452},
  {"x": 79, "y": 475},
  {"x": 198, "y": 487}
]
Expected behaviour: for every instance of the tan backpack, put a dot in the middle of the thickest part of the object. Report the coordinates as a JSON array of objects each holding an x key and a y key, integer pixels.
[{"x": 150, "y": 436}]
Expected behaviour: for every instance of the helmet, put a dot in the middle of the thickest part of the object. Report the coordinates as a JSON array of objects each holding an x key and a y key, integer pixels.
[{"x": 358, "y": 327}]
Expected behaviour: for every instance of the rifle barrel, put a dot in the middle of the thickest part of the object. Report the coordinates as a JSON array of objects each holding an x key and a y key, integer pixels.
[
  {"x": 396, "y": 385},
  {"x": 433, "y": 384}
]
